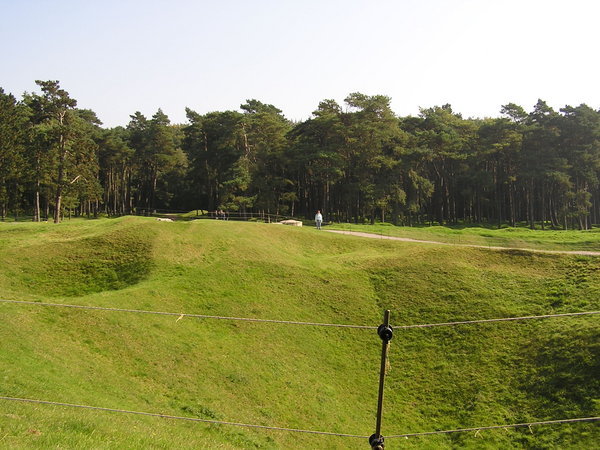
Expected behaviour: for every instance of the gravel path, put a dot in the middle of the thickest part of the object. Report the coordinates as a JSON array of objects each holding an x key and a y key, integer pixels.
[{"x": 394, "y": 238}]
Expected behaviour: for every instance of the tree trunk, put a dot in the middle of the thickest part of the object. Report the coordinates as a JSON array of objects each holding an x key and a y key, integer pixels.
[
  {"x": 511, "y": 202},
  {"x": 530, "y": 206},
  {"x": 61, "y": 172},
  {"x": 36, "y": 206},
  {"x": 58, "y": 198},
  {"x": 543, "y": 194}
]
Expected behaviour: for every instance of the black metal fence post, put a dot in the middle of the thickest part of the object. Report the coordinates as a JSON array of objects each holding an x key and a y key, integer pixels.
[{"x": 385, "y": 332}]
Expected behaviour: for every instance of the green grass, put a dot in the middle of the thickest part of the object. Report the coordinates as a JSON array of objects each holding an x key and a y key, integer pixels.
[
  {"x": 282, "y": 375},
  {"x": 505, "y": 237}
]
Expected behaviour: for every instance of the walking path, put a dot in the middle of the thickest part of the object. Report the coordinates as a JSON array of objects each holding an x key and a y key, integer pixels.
[{"x": 394, "y": 238}]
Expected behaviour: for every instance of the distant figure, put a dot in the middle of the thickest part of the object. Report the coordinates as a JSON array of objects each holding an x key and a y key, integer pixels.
[{"x": 318, "y": 219}]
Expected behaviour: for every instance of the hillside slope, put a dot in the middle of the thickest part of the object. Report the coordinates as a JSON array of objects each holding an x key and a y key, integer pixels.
[{"x": 287, "y": 375}]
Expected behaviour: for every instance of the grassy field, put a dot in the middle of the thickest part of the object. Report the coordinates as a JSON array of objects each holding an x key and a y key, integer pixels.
[
  {"x": 288, "y": 375},
  {"x": 521, "y": 237}
]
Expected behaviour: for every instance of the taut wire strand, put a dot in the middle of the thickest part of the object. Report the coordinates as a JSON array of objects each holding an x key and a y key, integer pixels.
[
  {"x": 197, "y": 316},
  {"x": 297, "y": 430},
  {"x": 502, "y": 319},
  {"x": 167, "y": 416},
  {"x": 293, "y": 322},
  {"x": 496, "y": 427}
]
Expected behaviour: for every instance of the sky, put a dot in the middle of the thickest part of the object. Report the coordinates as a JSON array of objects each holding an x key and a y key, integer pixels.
[{"x": 119, "y": 57}]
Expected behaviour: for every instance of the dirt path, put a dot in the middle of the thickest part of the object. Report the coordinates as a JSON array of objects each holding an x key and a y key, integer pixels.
[{"x": 394, "y": 238}]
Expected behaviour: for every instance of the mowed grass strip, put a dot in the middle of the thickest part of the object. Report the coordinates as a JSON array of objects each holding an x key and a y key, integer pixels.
[
  {"x": 509, "y": 237},
  {"x": 283, "y": 375}
]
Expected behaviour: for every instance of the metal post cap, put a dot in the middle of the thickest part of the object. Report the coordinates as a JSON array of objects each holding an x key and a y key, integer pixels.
[
  {"x": 376, "y": 441},
  {"x": 385, "y": 332}
]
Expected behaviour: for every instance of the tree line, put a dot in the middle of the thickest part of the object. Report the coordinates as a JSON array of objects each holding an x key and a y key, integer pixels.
[{"x": 356, "y": 162}]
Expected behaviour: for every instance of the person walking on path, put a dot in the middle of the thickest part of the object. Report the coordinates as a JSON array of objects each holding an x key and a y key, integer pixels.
[{"x": 318, "y": 219}]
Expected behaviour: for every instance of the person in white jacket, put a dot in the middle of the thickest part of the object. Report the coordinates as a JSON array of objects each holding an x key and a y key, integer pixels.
[{"x": 318, "y": 219}]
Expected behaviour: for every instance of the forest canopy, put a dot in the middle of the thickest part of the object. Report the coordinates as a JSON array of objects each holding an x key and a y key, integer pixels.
[{"x": 356, "y": 162}]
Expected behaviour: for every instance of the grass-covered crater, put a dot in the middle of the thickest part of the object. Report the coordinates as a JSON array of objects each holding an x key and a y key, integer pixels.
[
  {"x": 81, "y": 263},
  {"x": 314, "y": 378}
]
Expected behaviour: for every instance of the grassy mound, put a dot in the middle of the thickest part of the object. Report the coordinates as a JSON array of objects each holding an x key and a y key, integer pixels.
[
  {"x": 77, "y": 260},
  {"x": 284, "y": 375}
]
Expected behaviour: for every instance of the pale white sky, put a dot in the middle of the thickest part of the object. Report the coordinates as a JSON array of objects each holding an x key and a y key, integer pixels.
[{"x": 120, "y": 56}]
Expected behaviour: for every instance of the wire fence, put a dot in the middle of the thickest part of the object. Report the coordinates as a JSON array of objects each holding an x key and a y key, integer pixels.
[
  {"x": 217, "y": 214},
  {"x": 292, "y": 322},
  {"x": 174, "y": 214}
]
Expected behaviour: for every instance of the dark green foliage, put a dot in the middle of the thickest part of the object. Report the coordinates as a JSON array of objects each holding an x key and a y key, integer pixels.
[
  {"x": 216, "y": 146},
  {"x": 358, "y": 163},
  {"x": 14, "y": 131}
]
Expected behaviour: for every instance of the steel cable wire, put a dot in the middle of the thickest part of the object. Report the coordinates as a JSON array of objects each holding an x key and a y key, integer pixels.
[
  {"x": 292, "y": 322},
  {"x": 501, "y": 319},
  {"x": 298, "y": 430},
  {"x": 168, "y": 416},
  {"x": 496, "y": 427},
  {"x": 197, "y": 316}
]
